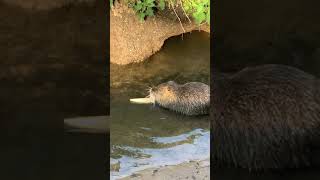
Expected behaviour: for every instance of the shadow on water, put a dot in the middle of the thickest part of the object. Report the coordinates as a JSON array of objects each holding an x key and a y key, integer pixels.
[{"x": 145, "y": 136}]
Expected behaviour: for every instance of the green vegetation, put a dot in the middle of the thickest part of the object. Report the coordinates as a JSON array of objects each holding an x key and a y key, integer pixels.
[
  {"x": 199, "y": 10},
  {"x": 144, "y": 8}
]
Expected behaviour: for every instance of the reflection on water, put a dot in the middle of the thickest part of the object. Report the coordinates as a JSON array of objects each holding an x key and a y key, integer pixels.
[
  {"x": 194, "y": 146},
  {"x": 145, "y": 136}
]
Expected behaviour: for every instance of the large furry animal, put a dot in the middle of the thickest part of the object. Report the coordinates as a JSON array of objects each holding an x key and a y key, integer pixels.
[
  {"x": 190, "y": 99},
  {"x": 265, "y": 117}
]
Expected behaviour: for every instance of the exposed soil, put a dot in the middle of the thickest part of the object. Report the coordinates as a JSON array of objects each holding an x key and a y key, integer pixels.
[{"x": 133, "y": 41}]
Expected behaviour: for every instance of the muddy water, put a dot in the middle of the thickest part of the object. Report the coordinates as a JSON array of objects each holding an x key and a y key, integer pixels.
[
  {"x": 145, "y": 136},
  {"x": 52, "y": 66}
]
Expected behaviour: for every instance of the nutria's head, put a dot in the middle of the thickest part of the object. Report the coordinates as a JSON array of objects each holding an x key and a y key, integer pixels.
[{"x": 164, "y": 94}]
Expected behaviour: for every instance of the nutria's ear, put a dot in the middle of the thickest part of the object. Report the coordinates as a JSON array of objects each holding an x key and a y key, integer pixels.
[{"x": 171, "y": 82}]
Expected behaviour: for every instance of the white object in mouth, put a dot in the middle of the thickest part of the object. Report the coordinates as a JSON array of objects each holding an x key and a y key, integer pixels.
[{"x": 141, "y": 100}]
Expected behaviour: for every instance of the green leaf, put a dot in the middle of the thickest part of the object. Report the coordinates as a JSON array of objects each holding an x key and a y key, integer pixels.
[
  {"x": 143, "y": 8},
  {"x": 137, "y": 7},
  {"x": 141, "y": 16},
  {"x": 161, "y": 5},
  {"x": 200, "y": 8},
  {"x": 149, "y": 12},
  {"x": 208, "y": 17},
  {"x": 151, "y": 5},
  {"x": 202, "y": 17},
  {"x": 199, "y": 17}
]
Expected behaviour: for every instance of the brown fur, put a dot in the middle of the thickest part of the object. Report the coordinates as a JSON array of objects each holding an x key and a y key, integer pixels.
[
  {"x": 265, "y": 117},
  {"x": 190, "y": 99}
]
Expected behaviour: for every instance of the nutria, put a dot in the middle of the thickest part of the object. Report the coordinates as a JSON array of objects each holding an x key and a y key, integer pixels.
[
  {"x": 192, "y": 98},
  {"x": 265, "y": 117}
]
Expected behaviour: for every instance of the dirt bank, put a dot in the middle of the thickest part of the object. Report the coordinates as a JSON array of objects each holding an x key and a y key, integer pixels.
[{"x": 133, "y": 41}]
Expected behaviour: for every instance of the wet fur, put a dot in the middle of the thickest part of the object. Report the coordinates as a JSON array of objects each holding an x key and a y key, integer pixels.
[
  {"x": 265, "y": 117},
  {"x": 192, "y": 98}
]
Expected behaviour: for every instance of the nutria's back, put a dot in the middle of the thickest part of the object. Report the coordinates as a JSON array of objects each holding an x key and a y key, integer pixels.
[
  {"x": 265, "y": 117},
  {"x": 192, "y": 98}
]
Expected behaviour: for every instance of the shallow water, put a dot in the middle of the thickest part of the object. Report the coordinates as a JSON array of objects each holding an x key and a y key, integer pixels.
[{"x": 144, "y": 136}]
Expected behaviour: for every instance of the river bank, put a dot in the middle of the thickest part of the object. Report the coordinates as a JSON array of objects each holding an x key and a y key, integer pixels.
[{"x": 188, "y": 170}]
